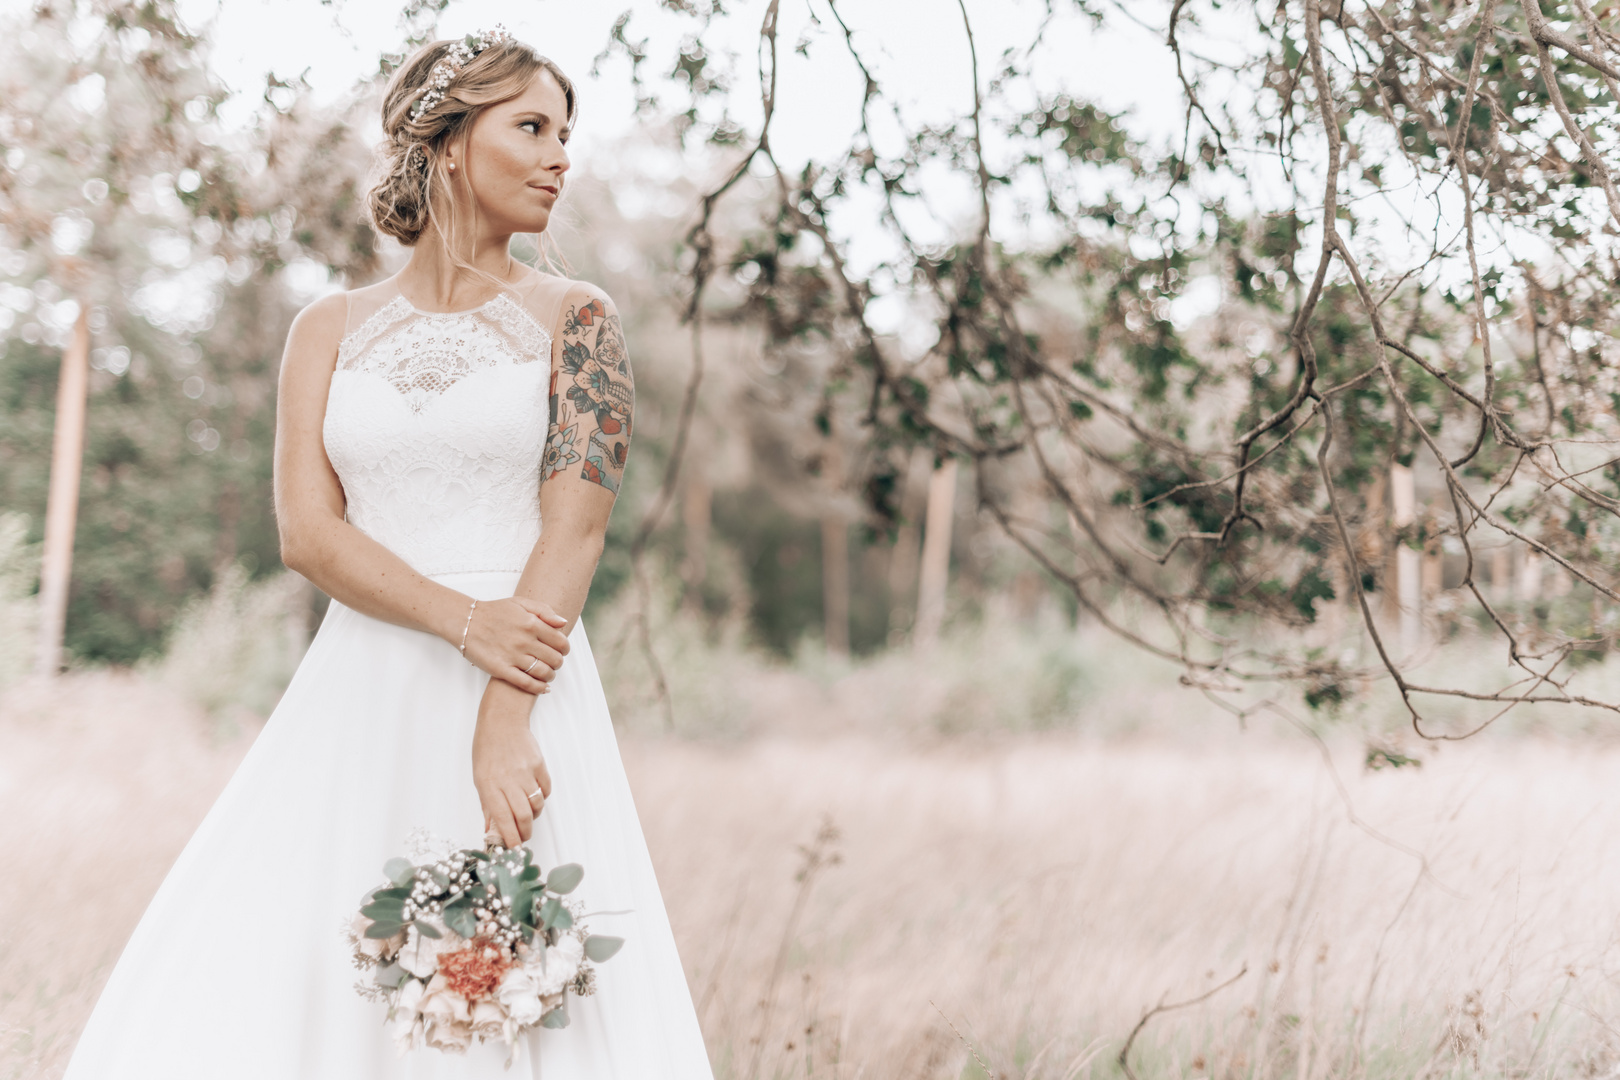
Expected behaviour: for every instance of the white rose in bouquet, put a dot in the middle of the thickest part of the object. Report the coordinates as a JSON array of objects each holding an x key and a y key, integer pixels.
[
  {"x": 419, "y": 955},
  {"x": 519, "y": 995},
  {"x": 448, "y": 1017},
  {"x": 488, "y": 1020},
  {"x": 375, "y": 948},
  {"x": 406, "y": 1025},
  {"x": 553, "y": 969}
]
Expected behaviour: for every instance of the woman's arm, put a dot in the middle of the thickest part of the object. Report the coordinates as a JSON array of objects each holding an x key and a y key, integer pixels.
[
  {"x": 592, "y": 402},
  {"x": 351, "y": 567}
]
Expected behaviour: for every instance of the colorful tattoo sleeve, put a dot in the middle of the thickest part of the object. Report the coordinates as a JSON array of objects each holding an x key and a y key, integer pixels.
[{"x": 592, "y": 399}]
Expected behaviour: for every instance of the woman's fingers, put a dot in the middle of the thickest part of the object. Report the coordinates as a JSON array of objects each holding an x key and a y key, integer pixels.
[
  {"x": 539, "y": 791},
  {"x": 541, "y": 609},
  {"x": 498, "y": 814},
  {"x": 522, "y": 812},
  {"x": 541, "y": 655},
  {"x": 537, "y": 683}
]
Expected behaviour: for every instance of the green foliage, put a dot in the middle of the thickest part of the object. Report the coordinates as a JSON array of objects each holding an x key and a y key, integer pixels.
[
  {"x": 1214, "y": 357},
  {"x": 120, "y": 193}
]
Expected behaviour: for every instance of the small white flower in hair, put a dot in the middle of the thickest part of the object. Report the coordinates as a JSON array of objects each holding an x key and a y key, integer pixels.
[{"x": 455, "y": 59}]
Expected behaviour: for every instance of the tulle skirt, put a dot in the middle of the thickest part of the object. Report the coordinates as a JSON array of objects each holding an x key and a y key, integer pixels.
[{"x": 239, "y": 969}]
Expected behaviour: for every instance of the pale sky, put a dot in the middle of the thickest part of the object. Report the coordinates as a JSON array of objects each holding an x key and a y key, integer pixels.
[{"x": 918, "y": 47}]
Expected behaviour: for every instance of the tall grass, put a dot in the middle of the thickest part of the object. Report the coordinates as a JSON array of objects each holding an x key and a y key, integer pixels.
[
  {"x": 19, "y": 571},
  {"x": 1017, "y": 901},
  {"x": 993, "y": 857},
  {"x": 234, "y": 650},
  {"x": 1023, "y": 904}
]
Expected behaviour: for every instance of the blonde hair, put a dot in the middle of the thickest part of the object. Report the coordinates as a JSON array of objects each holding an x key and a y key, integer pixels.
[{"x": 410, "y": 172}]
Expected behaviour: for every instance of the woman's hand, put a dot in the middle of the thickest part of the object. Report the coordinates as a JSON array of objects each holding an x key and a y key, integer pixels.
[
  {"x": 516, "y": 640},
  {"x": 508, "y": 765}
]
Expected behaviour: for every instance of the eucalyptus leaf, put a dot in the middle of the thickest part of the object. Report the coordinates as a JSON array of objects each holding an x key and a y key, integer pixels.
[
  {"x": 398, "y": 870},
  {"x": 549, "y": 911},
  {"x": 506, "y": 882},
  {"x": 462, "y": 920},
  {"x": 563, "y": 919},
  {"x": 383, "y": 930},
  {"x": 391, "y": 975},
  {"x": 565, "y": 878},
  {"x": 600, "y": 947},
  {"x": 556, "y": 1018},
  {"x": 385, "y": 909},
  {"x": 531, "y": 872},
  {"x": 522, "y": 904},
  {"x": 426, "y": 929}
]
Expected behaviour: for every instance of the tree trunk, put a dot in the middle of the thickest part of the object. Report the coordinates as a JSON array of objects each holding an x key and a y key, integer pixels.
[
  {"x": 62, "y": 504},
  {"x": 1407, "y": 588},
  {"x": 1502, "y": 574},
  {"x": 1530, "y": 577},
  {"x": 835, "y": 582},
  {"x": 696, "y": 512},
  {"x": 903, "y": 560},
  {"x": 936, "y": 554}
]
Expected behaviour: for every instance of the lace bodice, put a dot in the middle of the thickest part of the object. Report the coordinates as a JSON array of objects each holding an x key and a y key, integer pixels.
[{"x": 436, "y": 425}]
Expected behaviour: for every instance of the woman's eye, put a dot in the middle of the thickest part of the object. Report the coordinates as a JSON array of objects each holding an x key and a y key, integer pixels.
[{"x": 535, "y": 124}]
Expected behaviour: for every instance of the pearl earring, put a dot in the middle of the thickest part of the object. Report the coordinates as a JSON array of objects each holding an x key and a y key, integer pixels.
[{"x": 452, "y": 166}]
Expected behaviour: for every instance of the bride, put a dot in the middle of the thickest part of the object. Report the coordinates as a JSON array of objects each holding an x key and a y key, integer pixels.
[{"x": 426, "y": 425}]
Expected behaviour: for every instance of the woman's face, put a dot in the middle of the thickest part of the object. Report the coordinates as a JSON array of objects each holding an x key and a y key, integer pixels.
[{"x": 515, "y": 157}]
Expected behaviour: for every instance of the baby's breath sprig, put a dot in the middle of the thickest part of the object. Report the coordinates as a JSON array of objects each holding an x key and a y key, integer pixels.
[{"x": 455, "y": 59}]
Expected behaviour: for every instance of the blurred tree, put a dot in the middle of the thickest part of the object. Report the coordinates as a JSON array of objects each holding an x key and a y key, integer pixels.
[
  {"x": 197, "y": 247},
  {"x": 1384, "y": 239}
]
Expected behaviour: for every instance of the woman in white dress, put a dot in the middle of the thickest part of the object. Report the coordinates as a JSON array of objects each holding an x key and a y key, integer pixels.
[{"x": 426, "y": 425}]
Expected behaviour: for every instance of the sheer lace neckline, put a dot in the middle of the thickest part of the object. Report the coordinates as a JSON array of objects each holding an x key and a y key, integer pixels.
[{"x": 422, "y": 354}]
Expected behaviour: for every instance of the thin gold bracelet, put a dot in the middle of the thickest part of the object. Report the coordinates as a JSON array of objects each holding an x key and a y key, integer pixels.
[{"x": 467, "y": 627}]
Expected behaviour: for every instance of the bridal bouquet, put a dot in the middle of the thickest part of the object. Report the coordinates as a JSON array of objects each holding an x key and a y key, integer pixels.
[{"x": 474, "y": 945}]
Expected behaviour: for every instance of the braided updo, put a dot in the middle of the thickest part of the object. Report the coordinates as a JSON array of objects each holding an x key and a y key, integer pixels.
[{"x": 410, "y": 160}]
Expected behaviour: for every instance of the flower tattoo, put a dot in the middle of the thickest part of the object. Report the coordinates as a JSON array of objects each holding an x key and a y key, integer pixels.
[{"x": 592, "y": 398}]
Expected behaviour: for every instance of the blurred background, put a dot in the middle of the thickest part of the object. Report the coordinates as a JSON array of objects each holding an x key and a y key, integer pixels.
[{"x": 945, "y": 772}]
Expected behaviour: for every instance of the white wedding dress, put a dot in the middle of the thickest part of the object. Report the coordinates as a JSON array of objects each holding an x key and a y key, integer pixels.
[{"x": 436, "y": 425}]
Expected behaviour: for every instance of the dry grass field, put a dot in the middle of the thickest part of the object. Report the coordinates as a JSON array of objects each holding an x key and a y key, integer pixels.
[{"x": 1007, "y": 904}]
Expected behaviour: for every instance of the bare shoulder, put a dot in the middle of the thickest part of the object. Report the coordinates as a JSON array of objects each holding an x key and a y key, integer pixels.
[
  {"x": 317, "y": 330},
  {"x": 326, "y": 315},
  {"x": 586, "y": 308}
]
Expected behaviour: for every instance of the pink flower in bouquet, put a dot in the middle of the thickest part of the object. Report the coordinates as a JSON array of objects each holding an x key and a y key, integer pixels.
[{"x": 474, "y": 972}]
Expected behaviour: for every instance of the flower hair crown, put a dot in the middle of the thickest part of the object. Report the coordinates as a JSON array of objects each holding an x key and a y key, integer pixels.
[{"x": 455, "y": 58}]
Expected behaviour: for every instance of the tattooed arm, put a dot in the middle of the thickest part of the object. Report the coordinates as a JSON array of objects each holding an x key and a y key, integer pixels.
[
  {"x": 592, "y": 400},
  {"x": 592, "y": 403}
]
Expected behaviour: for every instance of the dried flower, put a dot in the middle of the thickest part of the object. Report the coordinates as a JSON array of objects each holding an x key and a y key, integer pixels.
[
  {"x": 476, "y": 971},
  {"x": 455, "y": 58}
]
